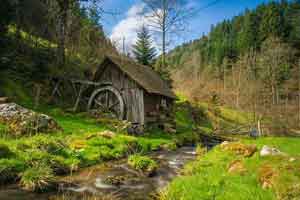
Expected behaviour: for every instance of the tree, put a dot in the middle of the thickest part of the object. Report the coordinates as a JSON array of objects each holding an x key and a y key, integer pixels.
[
  {"x": 64, "y": 8},
  {"x": 143, "y": 51},
  {"x": 166, "y": 17},
  {"x": 275, "y": 59},
  {"x": 6, "y": 14}
]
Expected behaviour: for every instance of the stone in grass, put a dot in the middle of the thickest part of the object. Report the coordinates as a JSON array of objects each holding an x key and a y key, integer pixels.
[
  {"x": 22, "y": 121},
  {"x": 237, "y": 167},
  {"x": 106, "y": 134},
  {"x": 267, "y": 176},
  {"x": 239, "y": 148},
  {"x": 269, "y": 151}
]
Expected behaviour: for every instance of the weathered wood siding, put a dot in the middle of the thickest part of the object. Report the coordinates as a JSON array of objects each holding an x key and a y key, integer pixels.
[{"x": 132, "y": 93}]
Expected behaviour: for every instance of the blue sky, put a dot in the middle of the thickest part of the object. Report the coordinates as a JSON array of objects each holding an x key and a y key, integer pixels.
[{"x": 127, "y": 21}]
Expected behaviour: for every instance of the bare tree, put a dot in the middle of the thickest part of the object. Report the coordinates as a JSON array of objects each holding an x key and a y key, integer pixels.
[{"x": 167, "y": 17}]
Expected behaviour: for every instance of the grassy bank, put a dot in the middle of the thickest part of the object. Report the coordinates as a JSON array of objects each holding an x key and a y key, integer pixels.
[
  {"x": 209, "y": 176},
  {"x": 37, "y": 159}
]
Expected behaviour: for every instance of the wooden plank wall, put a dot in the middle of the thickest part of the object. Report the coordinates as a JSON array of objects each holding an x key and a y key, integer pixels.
[{"x": 132, "y": 93}]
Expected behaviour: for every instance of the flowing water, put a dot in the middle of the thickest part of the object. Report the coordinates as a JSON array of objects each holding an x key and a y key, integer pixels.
[{"x": 115, "y": 178}]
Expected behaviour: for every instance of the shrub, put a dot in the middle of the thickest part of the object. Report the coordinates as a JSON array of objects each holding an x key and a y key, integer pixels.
[
  {"x": 37, "y": 178},
  {"x": 9, "y": 170},
  {"x": 142, "y": 163}
]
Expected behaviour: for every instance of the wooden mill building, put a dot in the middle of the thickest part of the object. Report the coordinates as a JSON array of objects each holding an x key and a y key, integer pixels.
[{"x": 133, "y": 91}]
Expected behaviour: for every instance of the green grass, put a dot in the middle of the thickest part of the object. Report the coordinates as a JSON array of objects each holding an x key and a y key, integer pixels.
[
  {"x": 79, "y": 145},
  {"x": 208, "y": 176}
]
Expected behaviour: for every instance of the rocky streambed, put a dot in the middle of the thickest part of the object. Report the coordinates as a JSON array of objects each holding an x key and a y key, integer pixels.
[{"x": 115, "y": 179}]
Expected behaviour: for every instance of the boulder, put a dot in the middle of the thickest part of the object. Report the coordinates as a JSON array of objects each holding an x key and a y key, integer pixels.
[
  {"x": 237, "y": 167},
  {"x": 269, "y": 151},
  {"x": 22, "y": 121},
  {"x": 239, "y": 148},
  {"x": 4, "y": 100}
]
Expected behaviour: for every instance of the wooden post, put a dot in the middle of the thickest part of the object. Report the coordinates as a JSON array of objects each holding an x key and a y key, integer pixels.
[
  {"x": 78, "y": 98},
  {"x": 37, "y": 96}
]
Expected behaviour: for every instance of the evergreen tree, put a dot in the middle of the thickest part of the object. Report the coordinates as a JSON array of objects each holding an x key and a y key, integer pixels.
[{"x": 143, "y": 51}]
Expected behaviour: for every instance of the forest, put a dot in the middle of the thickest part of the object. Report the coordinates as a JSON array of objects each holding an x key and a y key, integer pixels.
[
  {"x": 249, "y": 62},
  {"x": 85, "y": 115}
]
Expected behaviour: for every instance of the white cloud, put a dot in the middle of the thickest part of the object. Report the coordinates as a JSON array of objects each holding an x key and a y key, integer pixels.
[{"x": 127, "y": 28}]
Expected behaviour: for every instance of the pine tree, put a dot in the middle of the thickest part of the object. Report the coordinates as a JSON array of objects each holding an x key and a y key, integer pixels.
[{"x": 143, "y": 50}]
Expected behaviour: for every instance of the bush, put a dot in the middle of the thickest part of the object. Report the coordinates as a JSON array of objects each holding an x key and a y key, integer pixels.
[
  {"x": 10, "y": 169},
  {"x": 38, "y": 178},
  {"x": 142, "y": 163}
]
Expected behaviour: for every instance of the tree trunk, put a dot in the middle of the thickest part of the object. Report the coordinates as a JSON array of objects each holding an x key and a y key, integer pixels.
[
  {"x": 299, "y": 94},
  {"x": 63, "y": 19},
  {"x": 164, "y": 35}
]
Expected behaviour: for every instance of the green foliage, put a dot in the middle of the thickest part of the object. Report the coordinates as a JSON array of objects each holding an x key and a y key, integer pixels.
[
  {"x": 143, "y": 50},
  {"x": 37, "y": 178},
  {"x": 232, "y": 38},
  {"x": 143, "y": 163}
]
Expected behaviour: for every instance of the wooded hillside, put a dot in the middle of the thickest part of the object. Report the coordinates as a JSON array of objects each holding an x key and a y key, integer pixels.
[
  {"x": 250, "y": 62},
  {"x": 39, "y": 38}
]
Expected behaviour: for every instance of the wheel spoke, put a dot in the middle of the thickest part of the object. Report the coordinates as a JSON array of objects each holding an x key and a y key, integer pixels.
[
  {"x": 99, "y": 104},
  {"x": 108, "y": 99},
  {"x": 113, "y": 105}
]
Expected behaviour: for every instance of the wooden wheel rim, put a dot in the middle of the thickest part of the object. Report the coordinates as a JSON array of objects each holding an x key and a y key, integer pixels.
[{"x": 115, "y": 92}]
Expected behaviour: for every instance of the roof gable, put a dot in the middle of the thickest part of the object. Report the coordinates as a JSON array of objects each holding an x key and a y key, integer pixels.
[{"x": 143, "y": 75}]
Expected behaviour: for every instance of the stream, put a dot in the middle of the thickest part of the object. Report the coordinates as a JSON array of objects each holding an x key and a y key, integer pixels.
[{"x": 114, "y": 178}]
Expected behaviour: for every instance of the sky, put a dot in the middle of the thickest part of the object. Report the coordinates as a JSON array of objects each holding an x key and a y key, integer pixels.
[{"x": 127, "y": 19}]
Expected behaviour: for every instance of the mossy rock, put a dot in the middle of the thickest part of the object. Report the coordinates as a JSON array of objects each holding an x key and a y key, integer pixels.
[
  {"x": 9, "y": 170},
  {"x": 143, "y": 164},
  {"x": 38, "y": 179},
  {"x": 115, "y": 180},
  {"x": 5, "y": 152},
  {"x": 239, "y": 148}
]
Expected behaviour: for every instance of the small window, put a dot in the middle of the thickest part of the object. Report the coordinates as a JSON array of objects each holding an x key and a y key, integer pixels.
[{"x": 164, "y": 103}]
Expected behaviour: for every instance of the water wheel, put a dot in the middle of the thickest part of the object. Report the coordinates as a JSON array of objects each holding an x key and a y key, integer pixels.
[{"x": 107, "y": 99}]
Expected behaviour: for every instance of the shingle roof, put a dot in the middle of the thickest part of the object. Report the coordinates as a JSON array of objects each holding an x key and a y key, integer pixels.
[{"x": 146, "y": 77}]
